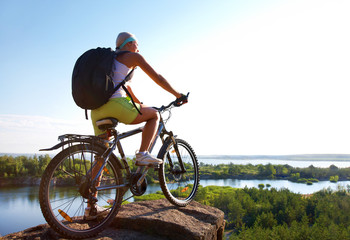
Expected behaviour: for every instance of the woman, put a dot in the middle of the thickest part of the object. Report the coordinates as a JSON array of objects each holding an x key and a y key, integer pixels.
[{"x": 121, "y": 107}]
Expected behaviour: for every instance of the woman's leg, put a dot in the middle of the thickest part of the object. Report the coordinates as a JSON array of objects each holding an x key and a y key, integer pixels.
[{"x": 151, "y": 117}]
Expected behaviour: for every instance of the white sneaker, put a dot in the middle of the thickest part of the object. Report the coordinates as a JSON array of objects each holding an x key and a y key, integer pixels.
[
  {"x": 100, "y": 211},
  {"x": 145, "y": 159}
]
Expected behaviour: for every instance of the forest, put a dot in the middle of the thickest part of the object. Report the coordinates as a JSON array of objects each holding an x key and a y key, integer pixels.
[
  {"x": 23, "y": 166},
  {"x": 34, "y": 167},
  {"x": 304, "y": 175},
  {"x": 261, "y": 214}
]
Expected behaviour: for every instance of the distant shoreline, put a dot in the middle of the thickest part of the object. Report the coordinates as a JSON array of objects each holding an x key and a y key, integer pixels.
[
  {"x": 297, "y": 157},
  {"x": 290, "y": 157},
  {"x": 26, "y": 154}
]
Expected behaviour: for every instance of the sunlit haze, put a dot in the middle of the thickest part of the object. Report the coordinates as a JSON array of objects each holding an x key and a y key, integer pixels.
[{"x": 265, "y": 77}]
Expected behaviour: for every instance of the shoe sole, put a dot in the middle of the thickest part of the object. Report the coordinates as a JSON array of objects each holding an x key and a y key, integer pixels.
[{"x": 147, "y": 164}]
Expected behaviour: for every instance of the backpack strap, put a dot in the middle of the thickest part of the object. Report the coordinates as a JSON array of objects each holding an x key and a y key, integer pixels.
[
  {"x": 122, "y": 84},
  {"x": 127, "y": 78}
]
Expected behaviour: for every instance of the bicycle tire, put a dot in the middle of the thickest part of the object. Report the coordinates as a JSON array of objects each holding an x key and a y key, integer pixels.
[
  {"x": 179, "y": 188},
  {"x": 60, "y": 185}
]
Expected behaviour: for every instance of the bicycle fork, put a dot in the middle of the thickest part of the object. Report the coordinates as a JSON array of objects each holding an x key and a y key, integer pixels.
[{"x": 178, "y": 155}]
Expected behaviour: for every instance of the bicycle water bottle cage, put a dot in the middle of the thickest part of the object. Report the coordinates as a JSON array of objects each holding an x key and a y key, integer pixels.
[{"x": 107, "y": 123}]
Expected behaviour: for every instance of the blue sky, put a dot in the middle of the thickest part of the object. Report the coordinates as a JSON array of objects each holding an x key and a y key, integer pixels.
[{"x": 266, "y": 77}]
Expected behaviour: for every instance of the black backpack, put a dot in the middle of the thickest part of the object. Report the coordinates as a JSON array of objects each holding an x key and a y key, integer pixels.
[{"x": 92, "y": 84}]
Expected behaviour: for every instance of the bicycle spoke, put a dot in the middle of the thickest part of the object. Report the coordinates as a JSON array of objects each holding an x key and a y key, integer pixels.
[{"x": 62, "y": 204}]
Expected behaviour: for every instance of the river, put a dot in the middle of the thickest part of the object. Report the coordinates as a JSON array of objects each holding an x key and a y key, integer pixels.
[{"x": 20, "y": 205}]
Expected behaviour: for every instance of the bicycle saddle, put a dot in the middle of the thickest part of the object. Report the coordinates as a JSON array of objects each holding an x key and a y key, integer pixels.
[{"x": 106, "y": 123}]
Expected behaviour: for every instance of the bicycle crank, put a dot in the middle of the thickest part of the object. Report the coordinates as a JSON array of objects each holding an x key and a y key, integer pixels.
[{"x": 136, "y": 188}]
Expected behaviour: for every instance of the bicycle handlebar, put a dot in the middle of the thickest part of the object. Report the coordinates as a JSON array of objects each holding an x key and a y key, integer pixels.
[{"x": 177, "y": 103}]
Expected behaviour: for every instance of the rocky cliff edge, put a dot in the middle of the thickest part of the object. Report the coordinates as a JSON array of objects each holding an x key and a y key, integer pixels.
[{"x": 150, "y": 220}]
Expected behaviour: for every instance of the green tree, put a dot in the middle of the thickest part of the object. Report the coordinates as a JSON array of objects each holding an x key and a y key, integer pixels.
[{"x": 334, "y": 178}]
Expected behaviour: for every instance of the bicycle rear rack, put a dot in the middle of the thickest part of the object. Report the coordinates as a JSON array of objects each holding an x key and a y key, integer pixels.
[{"x": 70, "y": 139}]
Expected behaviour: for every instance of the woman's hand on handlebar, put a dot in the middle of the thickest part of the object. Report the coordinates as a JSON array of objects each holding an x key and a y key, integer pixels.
[
  {"x": 178, "y": 102},
  {"x": 181, "y": 100}
]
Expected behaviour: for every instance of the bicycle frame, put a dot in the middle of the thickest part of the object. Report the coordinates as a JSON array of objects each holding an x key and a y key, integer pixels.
[{"x": 161, "y": 132}]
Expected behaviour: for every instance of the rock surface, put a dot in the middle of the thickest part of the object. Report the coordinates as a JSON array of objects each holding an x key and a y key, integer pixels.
[{"x": 150, "y": 220}]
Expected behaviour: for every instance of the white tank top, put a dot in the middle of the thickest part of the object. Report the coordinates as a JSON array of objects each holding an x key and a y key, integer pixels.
[{"x": 119, "y": 72}]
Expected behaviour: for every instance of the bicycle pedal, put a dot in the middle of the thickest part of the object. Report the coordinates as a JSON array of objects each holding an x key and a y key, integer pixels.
[{"x": 157, "y": 167}]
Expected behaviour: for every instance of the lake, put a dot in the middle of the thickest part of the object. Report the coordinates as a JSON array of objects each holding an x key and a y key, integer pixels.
[{"x": 20, "y": 207}]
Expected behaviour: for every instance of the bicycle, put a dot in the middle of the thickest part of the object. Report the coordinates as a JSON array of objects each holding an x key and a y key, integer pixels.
[{"x": 87, "y": 172}]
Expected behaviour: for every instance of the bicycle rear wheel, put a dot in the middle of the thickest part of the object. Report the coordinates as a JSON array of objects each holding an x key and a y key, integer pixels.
[
  {"x": 179, "y": 180},
  {"x": 66, "y": 187}
]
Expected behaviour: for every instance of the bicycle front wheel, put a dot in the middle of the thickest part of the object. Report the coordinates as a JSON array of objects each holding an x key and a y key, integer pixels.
[
  {"x": 178, "y": 176},
  {"x": 65, "y": 192}
]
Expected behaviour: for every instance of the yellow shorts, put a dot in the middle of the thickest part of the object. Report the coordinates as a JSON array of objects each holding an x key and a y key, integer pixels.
[{"x": 119, "y": 108}]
